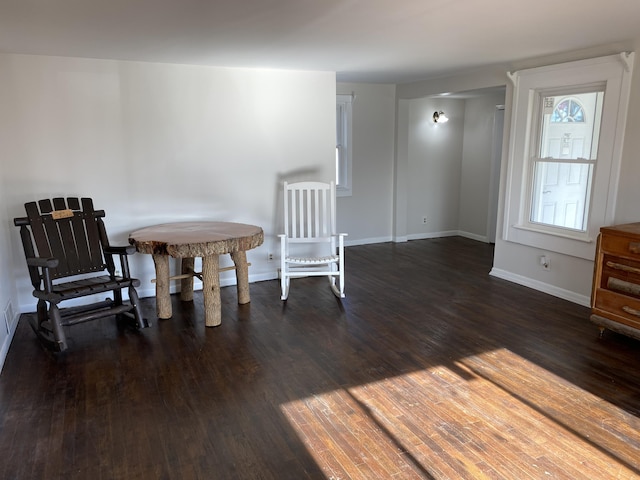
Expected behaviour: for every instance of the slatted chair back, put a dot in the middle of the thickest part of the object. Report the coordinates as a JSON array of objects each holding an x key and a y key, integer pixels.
[
  {"x": 309, "y": 212},
  {"x": 310, "y": 220},
  {"x": 67, "y": 238},
  {"x": 69, "y": 230}
]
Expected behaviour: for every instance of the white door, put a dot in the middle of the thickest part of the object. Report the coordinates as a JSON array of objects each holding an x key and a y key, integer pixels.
[
  {"x": 566, "y": 156},
  {"x": 562, "y": 192}
]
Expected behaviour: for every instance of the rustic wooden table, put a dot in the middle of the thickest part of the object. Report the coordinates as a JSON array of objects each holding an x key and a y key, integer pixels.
[{"x": 187, "y": 240}]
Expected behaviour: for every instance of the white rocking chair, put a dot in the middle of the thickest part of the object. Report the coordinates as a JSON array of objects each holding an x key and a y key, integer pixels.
[{"x": 310, "y": 245}]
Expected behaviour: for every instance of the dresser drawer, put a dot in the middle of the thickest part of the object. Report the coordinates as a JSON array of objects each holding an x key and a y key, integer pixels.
[
  {"x": 621, "y": 268},
  {"x": 626, "y": 308},
  {"x": 619, "y": 245},
  {"x": 615, "y": 295}
]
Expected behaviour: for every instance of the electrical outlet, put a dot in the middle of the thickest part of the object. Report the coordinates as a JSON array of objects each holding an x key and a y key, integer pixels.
[
  {"x": 424, "y": 220},
  {"x": 270, "y": 257},
  {"x": 545, "y": 262}
]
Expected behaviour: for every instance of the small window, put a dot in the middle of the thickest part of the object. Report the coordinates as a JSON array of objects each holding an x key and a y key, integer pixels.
[{"x": 343, "y": 144}]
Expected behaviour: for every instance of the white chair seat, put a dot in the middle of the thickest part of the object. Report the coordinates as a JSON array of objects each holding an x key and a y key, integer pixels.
[
  {"x": 310, "y": 224},
  {"x": 314, "y": 261}
]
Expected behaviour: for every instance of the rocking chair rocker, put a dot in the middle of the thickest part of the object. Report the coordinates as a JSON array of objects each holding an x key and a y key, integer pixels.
[{"x": 68, "y": 239}]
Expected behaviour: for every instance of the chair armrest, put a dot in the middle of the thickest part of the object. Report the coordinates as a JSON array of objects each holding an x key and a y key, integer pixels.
[
  {"x": 41, "y": 279},
  {"x": 42, "y": 262},
  {"x": 124, "y": 250}
]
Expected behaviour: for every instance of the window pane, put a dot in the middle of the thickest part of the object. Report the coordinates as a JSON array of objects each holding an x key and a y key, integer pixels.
[
  {"x": 338, "y": 161},
  {"x": 561, "y": 193},
  {"x": 344, "y": 114},
  {"x": 567, "y": 150},
  {"x": 568, "y": 111},
  {"x": 570, "y": 126}
]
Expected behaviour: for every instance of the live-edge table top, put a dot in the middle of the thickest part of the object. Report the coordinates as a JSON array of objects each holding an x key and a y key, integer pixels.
[{"x": 196, "y": 239}]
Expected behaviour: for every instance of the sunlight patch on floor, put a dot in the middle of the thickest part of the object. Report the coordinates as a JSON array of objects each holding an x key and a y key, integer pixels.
[{"x": 492, "y": 415}]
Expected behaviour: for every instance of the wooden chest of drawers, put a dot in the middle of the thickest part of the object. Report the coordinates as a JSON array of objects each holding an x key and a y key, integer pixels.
[{"x": 615, "y": 297}]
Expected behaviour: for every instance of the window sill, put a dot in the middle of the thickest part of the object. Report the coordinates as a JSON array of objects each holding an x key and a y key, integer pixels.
[
  {"x": 580, "y": 247},
  {"x": 578, "y": 237}
]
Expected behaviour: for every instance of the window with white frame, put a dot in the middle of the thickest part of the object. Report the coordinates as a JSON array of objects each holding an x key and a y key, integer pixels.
[
  {"x": 564, "y": 158},
  {"x": 344, "y": 113},
  {"x": 566, "y": 135}
]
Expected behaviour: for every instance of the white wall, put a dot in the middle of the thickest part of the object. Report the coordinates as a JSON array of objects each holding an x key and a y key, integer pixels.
[
  {"x": 154, "y": 143},
  {"x": 443, "y": 170},
  {"x": 628, "y": 202},
  {"x": 488, "y": 77},
  {"x": 8, "y": 297},
  {"x": 569, "y": 277},
  {"x": 475, "y": 178},
  {"x": 434, "y": 163},
  {"x": 8, "y": 315},
  {"x": 366, "y": 215}
]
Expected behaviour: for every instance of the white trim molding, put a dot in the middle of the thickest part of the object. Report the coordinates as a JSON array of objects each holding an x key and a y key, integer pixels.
[
  {"x": 541, "y": 287},
  {"x": 611, "y": 73}
]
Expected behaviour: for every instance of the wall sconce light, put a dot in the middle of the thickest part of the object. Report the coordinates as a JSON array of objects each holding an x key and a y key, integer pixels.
[{"x": 440, "y": 117}]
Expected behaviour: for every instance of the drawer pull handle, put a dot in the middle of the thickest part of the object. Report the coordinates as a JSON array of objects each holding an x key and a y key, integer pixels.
[
  {"x": 631, "y": 311},
  {"x": 624, "y": 268},
  {"x": 618, "y": 285},
  {"x": 634, "y": 247}
]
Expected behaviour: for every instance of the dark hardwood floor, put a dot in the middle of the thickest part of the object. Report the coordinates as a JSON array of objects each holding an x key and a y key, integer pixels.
[{"x": 430, "y": 368}]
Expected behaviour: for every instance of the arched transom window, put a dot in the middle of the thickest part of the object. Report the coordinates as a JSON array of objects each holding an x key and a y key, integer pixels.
[{"x": 568, "y": 110}]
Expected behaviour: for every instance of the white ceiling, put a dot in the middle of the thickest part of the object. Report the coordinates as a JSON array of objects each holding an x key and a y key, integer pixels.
[{"x": 389, "y": 41}]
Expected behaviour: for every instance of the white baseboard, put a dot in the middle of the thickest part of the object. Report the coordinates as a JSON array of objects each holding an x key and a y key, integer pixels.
[
  {"x": 366, "y": 241},
  {"x": 416, "y": 236},
  {"x": 542, "y": 287},
  {"x": 4, "y": 349},
  {"x": 448, "y": 233},
  {"x": 473, "y": 236},
  {"x": 12, "y": 323},
  {"x": 423, "y": 236}
]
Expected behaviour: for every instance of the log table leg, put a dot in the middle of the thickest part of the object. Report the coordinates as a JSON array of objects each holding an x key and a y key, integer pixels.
[
  {"x": 211, "y": 291},
  {"x": 163, "y": 298},
  {"x": 188, "y": 240},
  {"x": 186, "y": 284},
  {"x": 242, "y": 276}
]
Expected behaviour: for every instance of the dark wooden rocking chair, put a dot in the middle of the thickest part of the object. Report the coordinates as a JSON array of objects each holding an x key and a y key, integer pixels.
[{"x": 67, "y": 239}]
